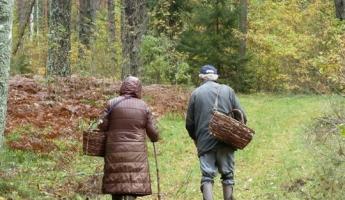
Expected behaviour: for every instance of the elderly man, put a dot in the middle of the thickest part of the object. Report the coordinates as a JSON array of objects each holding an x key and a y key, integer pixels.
[{"x": 213, "y": 154}]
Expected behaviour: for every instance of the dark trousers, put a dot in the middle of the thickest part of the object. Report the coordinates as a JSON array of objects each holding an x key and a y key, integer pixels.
[{"x": 123, "y": 197}]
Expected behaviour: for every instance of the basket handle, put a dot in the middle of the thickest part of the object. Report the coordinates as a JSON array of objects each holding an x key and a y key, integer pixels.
[
  {"x": 241, "y": 114},
  {"x": 89, "y": 129}
]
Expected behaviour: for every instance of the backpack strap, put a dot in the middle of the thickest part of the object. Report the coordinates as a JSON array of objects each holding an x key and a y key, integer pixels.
[
  {"x": 215, "y": 106},
  {"x": 117, "y": 103}
]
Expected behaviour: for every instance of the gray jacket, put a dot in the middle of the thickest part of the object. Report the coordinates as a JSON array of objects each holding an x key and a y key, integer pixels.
[{"x": 200, "y": 109}]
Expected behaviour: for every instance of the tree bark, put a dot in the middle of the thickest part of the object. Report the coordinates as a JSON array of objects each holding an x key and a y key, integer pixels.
[
  {"x": 86, "y": 22},
  {"x": 112, "y": 29},
  {"x": 340, "y": 9},
  {"x": 95, "y": 4},
  {"x": 243, "y": 27},
  {"x": 6, "y": 7},
  {"x": 59, "y": 44},
  {"x": 21, "y": 12},
  {"x": 27, "y": 14},
  {"x": 134, "y": 24}
]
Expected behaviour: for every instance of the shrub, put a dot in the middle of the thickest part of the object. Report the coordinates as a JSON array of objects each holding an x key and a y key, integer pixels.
[{"x": 328, "y": 139}]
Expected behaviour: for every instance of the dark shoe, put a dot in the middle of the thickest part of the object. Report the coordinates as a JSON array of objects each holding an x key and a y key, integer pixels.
[
  {"x": 120, "y": 197},
  {"x": 227, "y": 192},
  {"x": 207, "y": 191}
]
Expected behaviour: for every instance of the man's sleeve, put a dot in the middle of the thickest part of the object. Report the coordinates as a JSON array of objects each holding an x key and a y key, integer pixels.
[
  {"x": 236, "y": 104},
  {"x": 190, "y": 126}
]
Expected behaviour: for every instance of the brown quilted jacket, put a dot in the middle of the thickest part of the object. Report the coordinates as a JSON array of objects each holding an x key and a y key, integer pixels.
[{"x": 126, "y": 167}]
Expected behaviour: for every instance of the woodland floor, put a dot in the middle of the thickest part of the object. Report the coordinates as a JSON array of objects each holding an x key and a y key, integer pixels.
[{"x": 46, "y": 118}]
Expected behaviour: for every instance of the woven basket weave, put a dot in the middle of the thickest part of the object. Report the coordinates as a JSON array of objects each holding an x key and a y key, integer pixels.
[
  {"x": 230, "y": 131},
  {"x": 94, "y": 143}
]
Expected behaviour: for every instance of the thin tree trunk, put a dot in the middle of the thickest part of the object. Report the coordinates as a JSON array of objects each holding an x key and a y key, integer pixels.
[
  {"x": 86, "y": 22},
  {"x": 21, "y": 12},
  {"x": 59, "y": 44},
  {"x": 22, "y": 30},
  {"x": 134, "y": 25},
  {"x": 243, "y": 26},
  {"x": 37, "y": 17},
  {"x": 340, "y": 9},
  {"x": 112, "y": 33},
  {"x": 6, "y": 7},
  {"x": 95, "y": 4},
  {"x": 31, "y": 23}
]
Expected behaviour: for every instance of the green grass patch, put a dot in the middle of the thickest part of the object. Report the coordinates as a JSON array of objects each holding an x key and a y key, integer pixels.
[{"x": 276, "y": 165}]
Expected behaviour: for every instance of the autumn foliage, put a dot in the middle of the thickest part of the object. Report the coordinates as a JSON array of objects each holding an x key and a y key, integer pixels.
[{"x": 63, "y": 108}]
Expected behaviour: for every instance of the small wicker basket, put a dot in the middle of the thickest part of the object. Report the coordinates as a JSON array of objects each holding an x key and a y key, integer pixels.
[
  {"x": 229, "y": 130},
  {"x": 94, "y": 143}
]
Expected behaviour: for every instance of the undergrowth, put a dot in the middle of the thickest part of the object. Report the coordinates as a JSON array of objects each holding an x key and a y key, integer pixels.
[{"x": 327, "y": 140}]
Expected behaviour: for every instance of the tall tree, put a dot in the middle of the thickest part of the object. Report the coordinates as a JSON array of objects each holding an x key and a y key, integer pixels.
[
  {"x": 21, "y": 12},
  {"x": 209, "y": 37},
  {"x": 134, "y": 25},
  {"x": 27, "y": 10},
  {"x": 87, "y": 17},
  {"x": 59, "y": 44},
  {"x": 243, "y": 26},
  {"x": 340, "y": 9},
  {"x": 166, "y": 16},
  {"x": 6, "y": 7},
  {"x": 112, "y": 29}
]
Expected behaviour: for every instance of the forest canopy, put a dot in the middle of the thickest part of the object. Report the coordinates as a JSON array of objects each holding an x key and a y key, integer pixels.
[{"x": 273, "y": 46}]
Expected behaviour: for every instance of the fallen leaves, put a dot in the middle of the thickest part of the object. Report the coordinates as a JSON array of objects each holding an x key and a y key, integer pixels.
[{"x": 55, "y": 108}]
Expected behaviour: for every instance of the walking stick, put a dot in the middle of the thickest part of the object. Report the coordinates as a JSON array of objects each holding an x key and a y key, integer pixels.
[{"x": 157, "y": 170}]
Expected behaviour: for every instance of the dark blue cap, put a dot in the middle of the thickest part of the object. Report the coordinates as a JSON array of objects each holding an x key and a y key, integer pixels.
[{"x": 208, "y": 69}]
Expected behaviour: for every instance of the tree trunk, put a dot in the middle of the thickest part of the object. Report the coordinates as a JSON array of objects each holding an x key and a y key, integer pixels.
[
  {"x": 134, "y": 24},
  {"x": 340, "y": 9},
  {"x": 31, "y": 22},
  {"x": 59, "y": 44},
  {"x": 95, "y": 4},
  {"x": 21, "y": 13},
  {"x": 86, "y": 22},
  {"x": 111, "y": 27},
  {"x": 243, "y": 27},
  {"x": 27, "y": 13},
  {"x": 5, "y": 58}
]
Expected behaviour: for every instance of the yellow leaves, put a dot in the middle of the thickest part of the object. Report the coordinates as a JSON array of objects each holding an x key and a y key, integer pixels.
[{"x": 295, "y": 44}]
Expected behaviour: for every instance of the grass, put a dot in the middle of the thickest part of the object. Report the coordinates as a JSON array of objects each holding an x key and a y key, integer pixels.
[{"x": 272, "y": 167}]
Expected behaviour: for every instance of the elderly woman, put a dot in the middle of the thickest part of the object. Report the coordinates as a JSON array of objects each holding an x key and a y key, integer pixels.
[{"x": 127, "y": 120}]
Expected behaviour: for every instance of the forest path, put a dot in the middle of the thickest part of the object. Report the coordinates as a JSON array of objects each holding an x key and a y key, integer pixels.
[{"x": 276, "y": 165}]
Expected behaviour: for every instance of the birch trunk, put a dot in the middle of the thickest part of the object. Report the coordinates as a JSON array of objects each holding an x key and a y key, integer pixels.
[
  {"x": 59, "y": 44},
  {"x": 6, "y": 7}
]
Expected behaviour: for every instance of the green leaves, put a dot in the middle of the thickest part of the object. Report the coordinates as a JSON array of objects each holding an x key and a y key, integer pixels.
[{"x": 341, "y": 128}]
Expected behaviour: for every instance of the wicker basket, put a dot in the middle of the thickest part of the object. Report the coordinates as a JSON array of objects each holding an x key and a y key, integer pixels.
[
  {"x": 94, "y": 143},
  {"x": 229, "y": 130}
]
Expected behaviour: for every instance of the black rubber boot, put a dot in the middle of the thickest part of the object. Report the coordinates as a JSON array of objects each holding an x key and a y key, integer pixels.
[
  {"x": 207, "y": 191},
  {"x": 121, "y": 197},
  {"x": 227, "y": 192}
]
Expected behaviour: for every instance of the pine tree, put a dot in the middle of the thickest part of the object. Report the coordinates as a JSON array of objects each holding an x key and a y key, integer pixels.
[{"x": 210, "y": 38}]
